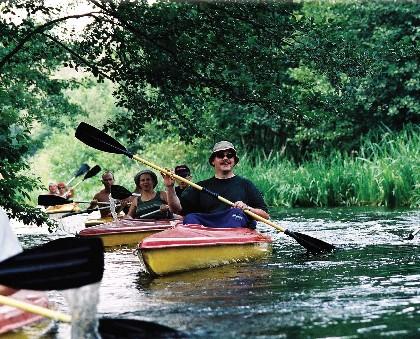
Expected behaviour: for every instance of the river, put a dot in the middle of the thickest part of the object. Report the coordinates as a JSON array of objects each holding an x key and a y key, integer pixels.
[{"x": 369, "y": 287}]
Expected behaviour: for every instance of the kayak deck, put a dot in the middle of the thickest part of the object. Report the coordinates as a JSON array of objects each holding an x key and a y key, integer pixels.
[
  {"x": 13, "y": 319},
  {"x": 127, "y": 231},
  {"x": 190, "y": 247}
]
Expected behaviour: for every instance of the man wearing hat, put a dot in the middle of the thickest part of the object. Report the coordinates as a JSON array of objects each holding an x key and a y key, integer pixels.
[
  {"x": 182, "y": 171},
  {"x": 198, "y": 207}
]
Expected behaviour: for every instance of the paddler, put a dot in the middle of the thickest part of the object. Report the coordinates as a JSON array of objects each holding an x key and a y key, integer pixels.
[
  {"x": 103, "y": 195},
  {"x": 151, "y": 204},
  {"x": 185, "y": 172},
  {"x": 9, "y": 244},
  {"x": 199, "y": 207},
  {"x": 64, "y": 191}
]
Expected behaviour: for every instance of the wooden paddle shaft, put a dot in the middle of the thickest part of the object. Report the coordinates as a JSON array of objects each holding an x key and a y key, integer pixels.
[
  {"x": 45, "y": 312},
  {"x": 200, "y": 188}
]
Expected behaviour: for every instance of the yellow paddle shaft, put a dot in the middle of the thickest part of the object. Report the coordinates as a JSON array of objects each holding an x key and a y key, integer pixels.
[
  {"x": 45, "y": 312},
  {"x": 200, "y": 188}
]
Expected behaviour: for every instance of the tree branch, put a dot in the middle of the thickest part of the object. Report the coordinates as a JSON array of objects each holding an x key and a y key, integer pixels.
[{"x": 39, "y": 29}]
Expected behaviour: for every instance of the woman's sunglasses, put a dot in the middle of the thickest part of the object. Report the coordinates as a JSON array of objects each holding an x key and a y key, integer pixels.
[{"x": 222, "y": 154}]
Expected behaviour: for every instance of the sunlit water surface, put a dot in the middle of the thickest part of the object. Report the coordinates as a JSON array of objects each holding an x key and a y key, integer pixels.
[{"x": 369, "y": 287}]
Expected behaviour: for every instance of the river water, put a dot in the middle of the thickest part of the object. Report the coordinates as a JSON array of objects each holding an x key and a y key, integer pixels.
[{"x": 369, "y": 287}]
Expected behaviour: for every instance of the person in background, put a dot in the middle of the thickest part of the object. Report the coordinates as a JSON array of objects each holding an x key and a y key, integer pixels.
[
  {"x": 150, "y": 200},
  {"x": 9, "y": 244},
  {"x": 52, "y": 188},
  {"x": 198, "y": 207},
  {"x": 103, "y": 195},
  {"x": 64, "y": 191},
  {"x": 182, "y": 171}
]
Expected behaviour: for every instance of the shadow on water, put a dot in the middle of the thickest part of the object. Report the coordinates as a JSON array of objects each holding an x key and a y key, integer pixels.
[{"x": 368, "y": 287}]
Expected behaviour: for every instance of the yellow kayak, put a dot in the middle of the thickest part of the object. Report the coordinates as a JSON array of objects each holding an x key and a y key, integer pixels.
[
  {"x": 72, "y": 207},
  {"x": 127, "y": 231},
  {"x": 99, "y": 221},
  {"x": 190, "y": 247}
]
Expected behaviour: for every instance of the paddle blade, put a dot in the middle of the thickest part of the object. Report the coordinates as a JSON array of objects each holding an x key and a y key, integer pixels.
[
  {"x": 52, "y": 200},
  {"x": 57, "y": 265},
  {"x": 95, "y": 138},
  {"x": 119, "y": 192},
  {"x": 92, "y": 172},
  {"x": 82, "y": 170},
  {"x": 313, "y": 245},
  {"x": 131, "y": 328}
]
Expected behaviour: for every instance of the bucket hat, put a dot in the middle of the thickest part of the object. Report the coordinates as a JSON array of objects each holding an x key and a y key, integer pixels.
[
  {"x": 222, "y": 146},
  {"x": 146, "y": 171}
]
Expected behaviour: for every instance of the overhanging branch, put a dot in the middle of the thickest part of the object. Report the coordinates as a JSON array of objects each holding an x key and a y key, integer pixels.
[{"x": 37, "y": 30}]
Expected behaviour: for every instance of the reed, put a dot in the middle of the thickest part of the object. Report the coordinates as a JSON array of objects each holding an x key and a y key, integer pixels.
[{"x": 384, "y": 173}]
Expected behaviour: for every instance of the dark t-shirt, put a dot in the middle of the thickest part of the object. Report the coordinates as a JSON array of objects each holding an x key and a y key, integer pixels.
[
  {"x": 179, "y": 191},
  {"x": 233, "y": 189}
]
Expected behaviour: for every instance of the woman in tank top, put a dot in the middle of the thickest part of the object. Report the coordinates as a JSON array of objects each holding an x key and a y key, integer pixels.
[{"x": 151, "y": 204}]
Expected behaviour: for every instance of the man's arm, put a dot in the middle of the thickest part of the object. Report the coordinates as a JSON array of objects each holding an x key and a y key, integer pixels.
[
  {"x": 94, "y": 201},
  {"x": 172, "y": 198}
]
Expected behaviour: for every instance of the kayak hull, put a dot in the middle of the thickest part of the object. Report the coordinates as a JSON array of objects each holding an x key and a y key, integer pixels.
[
  {"x": 127, "y": 231},
  {"x": 13, "y": 319},
  {"x": 191, "y": 247}
]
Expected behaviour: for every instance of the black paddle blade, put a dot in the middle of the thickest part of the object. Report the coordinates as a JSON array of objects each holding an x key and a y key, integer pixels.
[
  {"x": 313, "y": 245},
  {"x": 57, "y": 265},
  {"x": 135, "y": 329},
  {"x": 52, "y": 200},
  {"x": 92, "y": 172},
  {"x": 95, "y": 138},
  {"x": 119, "y": 192},
  {"x": 82, "y": 170}
]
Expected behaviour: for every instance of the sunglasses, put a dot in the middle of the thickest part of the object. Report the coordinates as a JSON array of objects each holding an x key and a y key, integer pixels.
[{"x": 222, "y": 154}]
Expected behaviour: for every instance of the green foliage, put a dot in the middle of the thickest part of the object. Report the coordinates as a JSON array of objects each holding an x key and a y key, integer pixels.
[
  {"x": 382, "y": 174},
  {"x": 315, "y": 82}
]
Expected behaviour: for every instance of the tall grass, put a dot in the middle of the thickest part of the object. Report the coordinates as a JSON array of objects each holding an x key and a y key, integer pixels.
[{"x": 380, "y": 174}]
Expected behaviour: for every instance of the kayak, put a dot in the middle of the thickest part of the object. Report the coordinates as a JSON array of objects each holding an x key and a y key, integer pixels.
[
  {"x": 127, "y": 231},
  {"x": 66, "y": 208},
  {"x": 190, "y": 247},
  {"x": 13, "y": 319},
  {"x": 99, "y": 221}
]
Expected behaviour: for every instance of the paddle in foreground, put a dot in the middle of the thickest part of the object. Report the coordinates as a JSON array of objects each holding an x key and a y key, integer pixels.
[
  {"x": 57, "y": 265},
  {"x": 99, "y": 140}
]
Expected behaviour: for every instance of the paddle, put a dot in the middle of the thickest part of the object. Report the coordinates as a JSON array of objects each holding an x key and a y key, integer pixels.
[
  {"x": 95, "y": 138},
  {"x": 57, "y": 265},
  {"x": 121, "y": 193},
  {"x": 108, "y": 327},
  {"x": 89, "y": 210},
  {"x": 82, "y": 170},
  {"x": 91, "y": 173},
  {"x": 52, "y": 200},
  {"x": 412, "y": 234}
]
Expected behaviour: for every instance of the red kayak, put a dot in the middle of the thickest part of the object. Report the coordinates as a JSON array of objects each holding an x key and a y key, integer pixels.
[
  {"x": 12, "y": 319},
  {"x": 189, "y": 247},
  {"x": 127, "y": 231}
]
